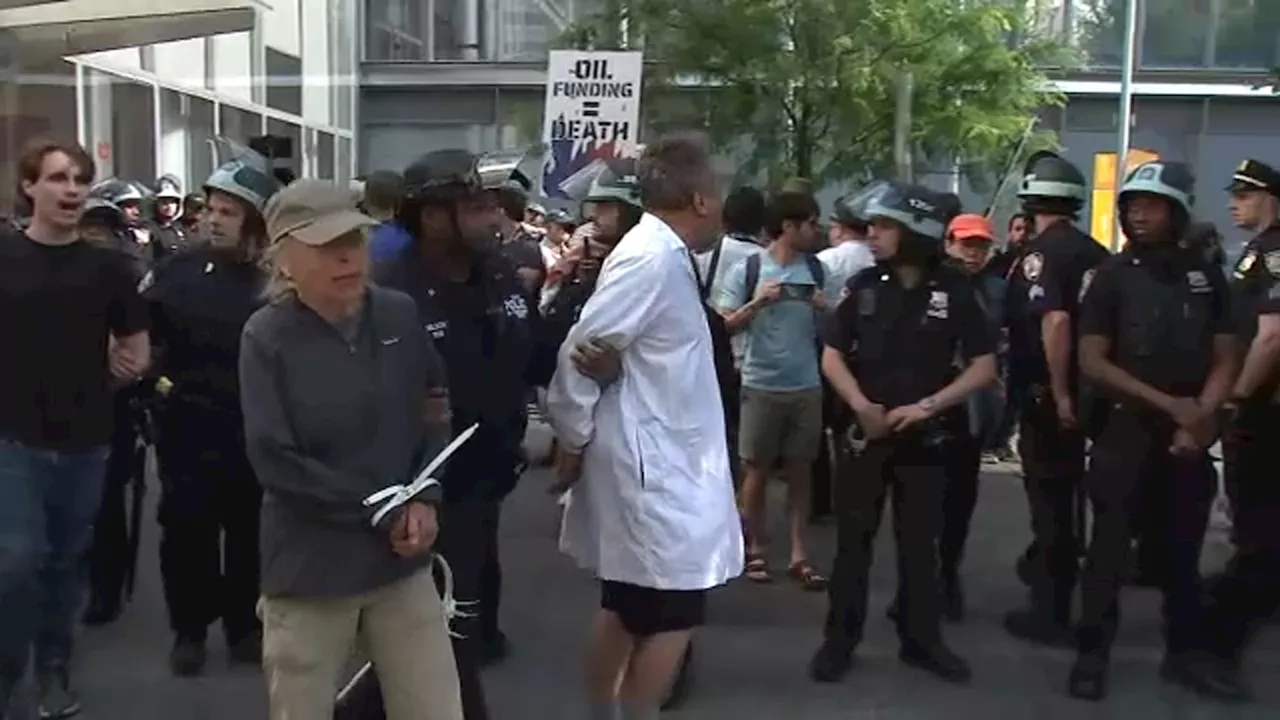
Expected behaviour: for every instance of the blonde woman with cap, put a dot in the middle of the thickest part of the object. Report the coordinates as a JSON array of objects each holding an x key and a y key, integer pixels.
[{"x": 343, "y": 396}]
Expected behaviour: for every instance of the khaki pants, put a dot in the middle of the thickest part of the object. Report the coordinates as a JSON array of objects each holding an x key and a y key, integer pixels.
[{"x": 308, "y": 643}]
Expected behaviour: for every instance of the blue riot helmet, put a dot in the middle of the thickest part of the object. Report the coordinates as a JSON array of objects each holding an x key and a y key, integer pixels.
[
  {"x": 921, "y": 213},
  {"x": 250, "y": 182},
  {"x": 1171, "y": 181},
  {"x": 1052, "y": 186},
  {"x": 851, "y": 210}
]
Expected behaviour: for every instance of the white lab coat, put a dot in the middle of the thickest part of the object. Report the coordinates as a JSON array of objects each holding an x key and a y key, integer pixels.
[{"x": 654, "y": 506}]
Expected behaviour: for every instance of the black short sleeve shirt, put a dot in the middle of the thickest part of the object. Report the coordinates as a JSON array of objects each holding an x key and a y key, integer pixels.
[{"x": 58, "y": 304}]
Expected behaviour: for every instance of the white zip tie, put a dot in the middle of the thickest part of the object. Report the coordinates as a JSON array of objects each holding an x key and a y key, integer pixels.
[{"x": 395, "y": 496}]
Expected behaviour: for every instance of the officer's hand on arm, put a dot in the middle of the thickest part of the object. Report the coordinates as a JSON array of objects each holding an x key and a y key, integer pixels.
[
  {"x": 873, "y": 419},
  {"x": 568, "y": 469},
  {"x": 597, "y": 360}
]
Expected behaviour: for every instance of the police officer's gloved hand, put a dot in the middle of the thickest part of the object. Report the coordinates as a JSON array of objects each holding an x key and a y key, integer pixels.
[{"x": 597, "y": 360}]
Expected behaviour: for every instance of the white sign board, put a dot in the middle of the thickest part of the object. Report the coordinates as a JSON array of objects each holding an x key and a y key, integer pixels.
[{"x": 592, "y": 111}]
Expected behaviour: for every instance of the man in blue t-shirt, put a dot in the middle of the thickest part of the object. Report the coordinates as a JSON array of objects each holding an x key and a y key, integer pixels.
[
  {"x": 383, "y": 191},
  {"x": 774, "y": 298}
]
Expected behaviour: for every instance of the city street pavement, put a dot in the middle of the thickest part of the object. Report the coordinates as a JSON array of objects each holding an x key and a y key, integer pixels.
[{"x": 751, "y": 657}]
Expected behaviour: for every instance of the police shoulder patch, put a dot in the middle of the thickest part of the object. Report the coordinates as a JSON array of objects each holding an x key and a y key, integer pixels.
[
  {"x": 1032, "y": 266},
  {"x": 147, "y": 282},
  {"x": 1246, "y": 262},
  {"x": 1272, "y": 261},
  {"x": 1085, "y": 281}
]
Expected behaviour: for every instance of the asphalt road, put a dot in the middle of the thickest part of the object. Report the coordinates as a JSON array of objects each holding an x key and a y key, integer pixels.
[{"x": 751, "y": 656}]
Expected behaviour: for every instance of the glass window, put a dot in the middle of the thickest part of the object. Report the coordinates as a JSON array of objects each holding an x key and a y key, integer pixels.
[
  {"x": 1174, "y": 33},
  {"x": 1247, "y": 34},
  {"x": 294, "y": 133},
  {"x": 200, "y": 133},
  {"x": 29, "y": 110},
  {"x": 239, "y": 125},
  {"x": 395, "y": 29},
  {"x": 324, "y": 156},
  {"x": 343, "y": 170},
  {"x": 133, "y": 128}
]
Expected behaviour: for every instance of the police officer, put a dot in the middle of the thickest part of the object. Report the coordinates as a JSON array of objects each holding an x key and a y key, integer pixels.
[
  {"x": 128, "y": 198},
  {"x": 1042, "y": 308},
  {"x": 485, "y": 324},
  {"x": 170, "y": 235},
  {"x": 889, "y": 351},
  {"x": 504, "y": 177},
  {"x": 210, "y": 498},
  {"x": 192, "y": 212},
  {"x": 1249, "y": 590},
  {"x": 1155, "y": 339},
  {"x": 111, "y": 555}
]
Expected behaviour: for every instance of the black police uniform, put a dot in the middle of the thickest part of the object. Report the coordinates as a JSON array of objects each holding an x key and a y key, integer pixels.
[
  {"x": 210, "y": 497},
  {"x": 1249, "y": 590},
  {"x": 899, "y": 343},
  {"x": 486, "y": 329},
  {"x": 1160, "y": 308},
  {"x": 1048, "y": 279},
  {"x": 112, "y": 557}
]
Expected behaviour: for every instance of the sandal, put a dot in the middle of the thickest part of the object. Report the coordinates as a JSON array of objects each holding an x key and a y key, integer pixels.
[
  {"x": 809, "y": 579},
  {"x": 757, "y": 569}
]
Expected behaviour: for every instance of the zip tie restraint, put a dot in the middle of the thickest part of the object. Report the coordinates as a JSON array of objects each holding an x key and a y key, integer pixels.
[{"x": 393, "y": 497}]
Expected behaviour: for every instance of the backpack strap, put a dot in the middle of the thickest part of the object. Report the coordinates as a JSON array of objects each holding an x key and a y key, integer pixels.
[
  {"x": 817, "y": 270},
  {"x": 751, "y": 278}
]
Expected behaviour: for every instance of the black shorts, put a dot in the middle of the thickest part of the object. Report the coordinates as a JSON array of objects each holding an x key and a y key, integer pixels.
[{"x": 646, "y": 611}]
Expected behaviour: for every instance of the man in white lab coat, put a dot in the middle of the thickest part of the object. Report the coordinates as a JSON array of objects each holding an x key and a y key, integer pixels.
[{"x": 652, "y": 512}]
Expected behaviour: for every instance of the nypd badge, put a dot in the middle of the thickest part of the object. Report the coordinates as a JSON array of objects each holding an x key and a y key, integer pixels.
[
  {"x": 1085, "y": 281},
  {"x": 1272, "y": 260},
  {"x": 1032, "y": 265}
]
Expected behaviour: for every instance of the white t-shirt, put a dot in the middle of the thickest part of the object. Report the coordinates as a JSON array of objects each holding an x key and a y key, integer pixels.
[
  {"x": 732, "y": 252},
  {"x": 844, "y": 261}
]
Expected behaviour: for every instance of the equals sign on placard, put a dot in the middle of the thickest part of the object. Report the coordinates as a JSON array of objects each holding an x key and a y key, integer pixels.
[{"x": 591, "y": 108}]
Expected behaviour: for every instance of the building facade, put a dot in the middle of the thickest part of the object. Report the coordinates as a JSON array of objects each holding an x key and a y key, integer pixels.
[
  {"x": 471, "y": 72},
  {"x": 146, "y": 84}
]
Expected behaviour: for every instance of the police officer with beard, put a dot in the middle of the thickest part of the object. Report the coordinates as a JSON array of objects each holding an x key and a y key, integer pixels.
[
  {"x": 889, "y": 354},
  {"x": 1248, "y": 592},
  {"x": 485, "y": 325},
  {"x": 170, "y": 236},
  {"x": 210, "y": 498},
  {"x": 1042, "y": 306},
  {"x": 1156, "y": 339}
]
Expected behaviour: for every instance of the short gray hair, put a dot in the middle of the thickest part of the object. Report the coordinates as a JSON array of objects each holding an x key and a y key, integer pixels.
[{"x": 674, "y": 169}]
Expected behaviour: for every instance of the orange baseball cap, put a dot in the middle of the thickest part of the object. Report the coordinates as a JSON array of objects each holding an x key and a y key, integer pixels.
[{"x": 971, "y": 225}]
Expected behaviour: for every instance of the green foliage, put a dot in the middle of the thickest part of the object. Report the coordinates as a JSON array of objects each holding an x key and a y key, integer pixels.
[{"x": 811, "y": 83}]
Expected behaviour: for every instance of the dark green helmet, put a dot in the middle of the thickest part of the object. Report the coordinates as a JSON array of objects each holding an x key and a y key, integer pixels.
[{"x": 441, "y": 174}]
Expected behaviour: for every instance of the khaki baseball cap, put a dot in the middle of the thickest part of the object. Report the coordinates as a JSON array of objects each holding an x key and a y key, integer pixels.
[{"x": 315, "y": 212}]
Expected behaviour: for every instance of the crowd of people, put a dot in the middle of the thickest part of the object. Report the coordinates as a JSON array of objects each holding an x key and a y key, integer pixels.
[{"x": 303, "y": 358}]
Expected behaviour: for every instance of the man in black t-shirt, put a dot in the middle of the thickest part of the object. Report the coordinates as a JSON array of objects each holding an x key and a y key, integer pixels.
[{"x": 73, "y": 321}]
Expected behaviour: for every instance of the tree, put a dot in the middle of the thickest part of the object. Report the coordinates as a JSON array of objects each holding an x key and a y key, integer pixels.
[{"x": 807, "y": 87}]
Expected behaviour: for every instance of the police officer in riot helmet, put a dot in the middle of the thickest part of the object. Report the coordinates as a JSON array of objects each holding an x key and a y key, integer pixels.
[
  {"x": 210, "y": 497},
  {"x": 485, "y": 325},
  {"x": 1249, "y": 590},
  {"x": 889, "y": 353},
  {"x": 503, "y": 178},
  {"x": 1042, "y": 310},
  {"x": 103, "y": 223},
  {"x": 1156, "y": 340},
  {"x": 128, "y": 197},
  {"x": 192, "y": 216},
  {"x": 170, "y": 235}
]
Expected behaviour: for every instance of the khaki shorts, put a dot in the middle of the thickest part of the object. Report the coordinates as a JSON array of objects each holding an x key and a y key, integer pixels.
[{"x": 780, "y": 425}]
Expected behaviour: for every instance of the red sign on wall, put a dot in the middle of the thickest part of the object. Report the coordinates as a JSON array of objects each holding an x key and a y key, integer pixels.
[{"x": 104, "y": 150}]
